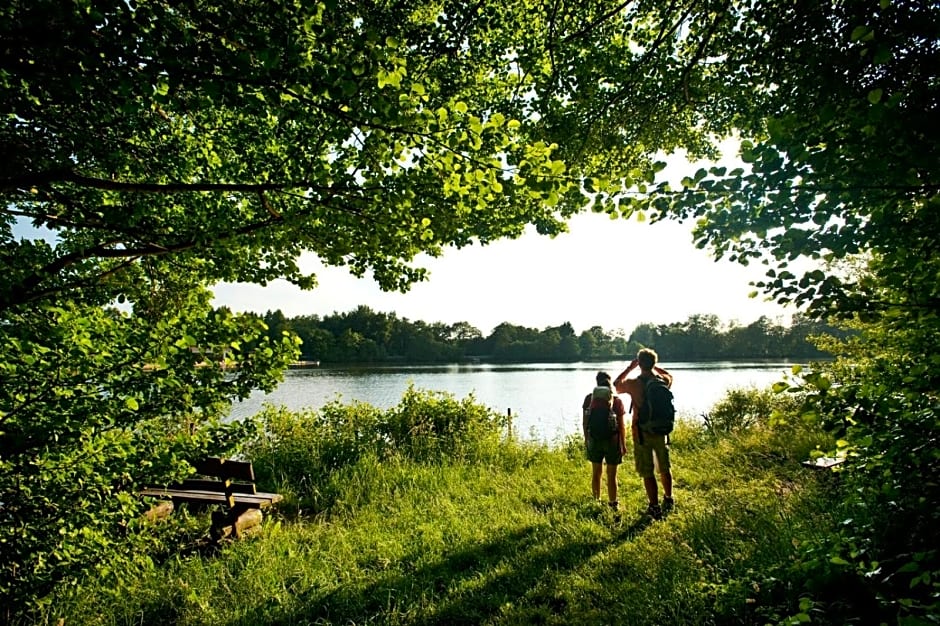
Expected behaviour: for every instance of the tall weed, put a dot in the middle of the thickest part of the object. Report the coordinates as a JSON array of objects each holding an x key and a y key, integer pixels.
[{"x": 308, "y": 456}]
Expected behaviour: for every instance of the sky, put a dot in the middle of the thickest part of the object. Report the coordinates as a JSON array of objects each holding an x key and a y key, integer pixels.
[{"x": 589, "y": 276}]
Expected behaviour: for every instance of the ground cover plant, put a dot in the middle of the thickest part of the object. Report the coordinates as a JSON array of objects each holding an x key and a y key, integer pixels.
[{"x": 456, "y": 524}]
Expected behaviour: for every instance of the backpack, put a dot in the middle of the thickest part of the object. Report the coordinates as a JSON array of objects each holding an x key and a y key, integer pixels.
[
  {"x": 657, "y": 414},
  {"x": 602, "y": 419}
]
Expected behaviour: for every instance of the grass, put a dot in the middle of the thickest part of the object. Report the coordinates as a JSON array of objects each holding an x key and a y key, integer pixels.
[{"x": 507, "y": 537}]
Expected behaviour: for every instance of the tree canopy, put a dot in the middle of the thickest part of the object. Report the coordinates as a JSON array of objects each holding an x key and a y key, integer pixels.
[
  {"x": 366, "y": 336},
  {"x": 232, "y": 138}
]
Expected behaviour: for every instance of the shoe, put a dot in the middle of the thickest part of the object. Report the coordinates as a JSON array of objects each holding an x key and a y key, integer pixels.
[
  {"x": 668, "y": 504},
  {"x": 614, "y": 506},
  {"x": 654, "y": 511}
]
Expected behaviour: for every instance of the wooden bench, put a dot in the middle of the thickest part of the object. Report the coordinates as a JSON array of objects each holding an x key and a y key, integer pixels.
[{"x": 224, "y": 482}]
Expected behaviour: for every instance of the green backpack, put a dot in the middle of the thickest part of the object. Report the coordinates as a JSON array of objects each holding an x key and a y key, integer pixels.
[
  {"x": 658, "y": 413},
  {"x": 602, "y": 419}
]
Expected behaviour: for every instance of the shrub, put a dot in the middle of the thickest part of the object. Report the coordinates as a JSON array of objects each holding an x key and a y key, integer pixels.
[
  {"x": 95, "y": 403},
  {"x": 743, "y": 408},
  {"x": 301, "y": 454}
]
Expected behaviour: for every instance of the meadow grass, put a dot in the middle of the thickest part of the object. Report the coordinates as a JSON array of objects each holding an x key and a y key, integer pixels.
[{"x": 507, "y": 534}]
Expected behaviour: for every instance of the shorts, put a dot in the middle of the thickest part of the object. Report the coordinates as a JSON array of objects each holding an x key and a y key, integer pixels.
[
  {"x": 643, "y": 453},
  {"x": 604, "y": 450}
]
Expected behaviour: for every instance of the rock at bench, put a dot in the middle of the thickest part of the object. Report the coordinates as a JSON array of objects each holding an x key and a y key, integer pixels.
[
  {"x": 159, "y": 511},
  {"x": 244, "y": 524}
]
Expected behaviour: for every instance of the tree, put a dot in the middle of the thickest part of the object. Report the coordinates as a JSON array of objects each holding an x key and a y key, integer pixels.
[
  {"x": 366, "y": 133},
  {"x": 587, "y": 342},
  {"x": 161, "y": 147},
  {"x": 276, "y": 323},
  {"x": 463, "y": 332},
  {"x": 837, "y": 142},
  {"x": 569, "y": 348},
  {"x": 836, "y": 106}
]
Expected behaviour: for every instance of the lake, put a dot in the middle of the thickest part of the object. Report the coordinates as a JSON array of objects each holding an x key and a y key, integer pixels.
[{"x": 545, "y": 398}]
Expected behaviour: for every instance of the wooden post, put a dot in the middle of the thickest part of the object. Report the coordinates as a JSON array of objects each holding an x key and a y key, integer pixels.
[{"x": 509, "y": 421}]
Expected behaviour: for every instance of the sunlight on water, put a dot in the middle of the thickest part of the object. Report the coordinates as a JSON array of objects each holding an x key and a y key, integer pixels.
[{"x": 545, "y": 399}]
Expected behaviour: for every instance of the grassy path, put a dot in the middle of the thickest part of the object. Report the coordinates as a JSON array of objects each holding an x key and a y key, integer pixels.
[{"x": 514, "y": 541}]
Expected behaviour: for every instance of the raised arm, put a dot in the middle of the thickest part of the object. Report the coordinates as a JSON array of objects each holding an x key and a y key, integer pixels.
[
  {"x": 664, "y": 374},
  {"x": 620, "y": 377}
]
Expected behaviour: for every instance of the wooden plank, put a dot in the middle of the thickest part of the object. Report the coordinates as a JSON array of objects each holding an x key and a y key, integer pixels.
[
  {"x": 225, "y": 468},
  {"x": 204, "y": 484},
  {"x": 256, "y": 500}
]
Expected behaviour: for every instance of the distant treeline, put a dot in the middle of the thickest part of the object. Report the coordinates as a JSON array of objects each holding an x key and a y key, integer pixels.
[{"x": 367, "y": 336}]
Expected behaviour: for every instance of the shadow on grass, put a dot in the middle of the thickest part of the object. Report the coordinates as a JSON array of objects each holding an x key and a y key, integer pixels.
[{"x": 511, "y": 577}]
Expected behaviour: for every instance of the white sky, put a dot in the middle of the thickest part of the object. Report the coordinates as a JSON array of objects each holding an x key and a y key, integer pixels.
[{"x": 590, "y": 276}]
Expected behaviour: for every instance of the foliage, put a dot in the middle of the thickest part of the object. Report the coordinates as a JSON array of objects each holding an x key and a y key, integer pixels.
[
  {"x": 231, "y": 139},
  {"x": 741, "y": 409},
  {"x": 836, "y": 128},
  {"x": 98, "y": 403},
  {"x": 305, "y": 455},
  {"x": 367, "y": 336},
  {"x": 884, "y": 411}
]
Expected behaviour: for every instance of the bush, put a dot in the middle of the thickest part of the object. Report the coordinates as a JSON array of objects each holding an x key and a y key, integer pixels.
[
  {"x": 302, "y": 454},
  {"x": 743, "y": 408},
  {"x": 95, "y": 403}
]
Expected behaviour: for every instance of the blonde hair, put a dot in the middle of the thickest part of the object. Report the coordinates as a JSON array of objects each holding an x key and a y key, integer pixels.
[{"x": 647, "y": 358}]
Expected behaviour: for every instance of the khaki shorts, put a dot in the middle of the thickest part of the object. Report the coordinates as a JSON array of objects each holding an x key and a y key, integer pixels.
[{"x": 646, "y": 467}]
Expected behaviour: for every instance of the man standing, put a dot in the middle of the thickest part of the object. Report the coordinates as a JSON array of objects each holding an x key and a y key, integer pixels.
[
  {"x": 604, "y": 436},
  {"x": 650, "y": 450}
]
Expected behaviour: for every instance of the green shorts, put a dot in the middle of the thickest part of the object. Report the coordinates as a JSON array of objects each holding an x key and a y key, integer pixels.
[
  {"x": 604, "y": 450},
  {"x": 643, "y": 455}
]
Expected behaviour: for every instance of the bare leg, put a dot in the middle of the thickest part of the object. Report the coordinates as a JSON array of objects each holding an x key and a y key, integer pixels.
[
  {"x": 652, "y": 492},
  {"x": 666, "y": 478},
  {"x": 596, "y": 470},
  {"x": 612, "y": 484}
]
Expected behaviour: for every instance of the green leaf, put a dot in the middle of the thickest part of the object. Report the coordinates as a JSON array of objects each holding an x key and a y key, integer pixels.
[{"x": 858, "y": 32}]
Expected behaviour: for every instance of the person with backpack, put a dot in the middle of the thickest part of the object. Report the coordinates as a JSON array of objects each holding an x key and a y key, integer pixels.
[
  {"x": 653, "y": 416},
  {"x": 604, "y": 436}
]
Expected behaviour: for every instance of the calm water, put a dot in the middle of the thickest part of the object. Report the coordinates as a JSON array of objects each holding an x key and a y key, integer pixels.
[{"x": 545, "y": 399}]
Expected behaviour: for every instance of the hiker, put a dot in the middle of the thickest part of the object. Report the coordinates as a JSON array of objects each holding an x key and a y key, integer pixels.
[
  {"x": 604, "y": 436},
  {"x": 650, "y": 449}
]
